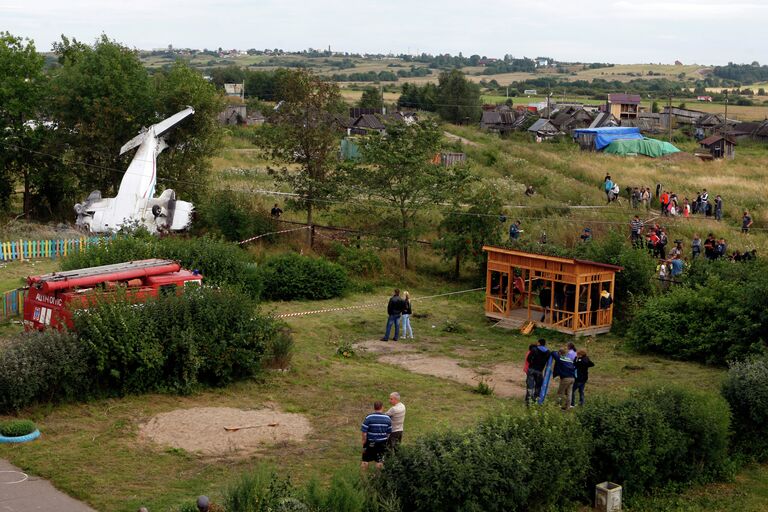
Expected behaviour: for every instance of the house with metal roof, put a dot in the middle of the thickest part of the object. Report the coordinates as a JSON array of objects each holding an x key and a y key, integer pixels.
[
  {"x": 720, "y": 146},
  {"x": 544, "y": 128}
]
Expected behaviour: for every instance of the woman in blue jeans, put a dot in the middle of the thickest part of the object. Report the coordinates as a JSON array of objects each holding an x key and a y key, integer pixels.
[{"x": 406, "y": 316}]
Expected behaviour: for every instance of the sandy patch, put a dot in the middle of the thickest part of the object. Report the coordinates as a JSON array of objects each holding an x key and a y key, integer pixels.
[
  {"x": 383, "y": 347},
  {"x": 201, "y": 430},
  {"x": 506, "y": 380}
]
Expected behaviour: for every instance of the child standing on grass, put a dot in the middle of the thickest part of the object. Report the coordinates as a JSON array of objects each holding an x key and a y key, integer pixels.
[{"x": 407, "y": 312}]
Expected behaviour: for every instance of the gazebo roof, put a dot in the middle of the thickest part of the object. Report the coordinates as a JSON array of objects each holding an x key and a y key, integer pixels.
[{"x": 546, "y": 257}]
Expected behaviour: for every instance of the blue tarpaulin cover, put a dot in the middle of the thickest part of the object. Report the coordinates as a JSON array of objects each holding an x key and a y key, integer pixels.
[{"x": 604, "y": 136}]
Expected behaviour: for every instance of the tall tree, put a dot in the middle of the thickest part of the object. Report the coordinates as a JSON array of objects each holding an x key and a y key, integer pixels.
[
  {"x": 22, "y": 92},
  {"x": 185, "y": 165},
  {"x": 101, "y": 98},
  {"x": 372, "y": 98},
  {"x": 301, "y": 134},
  {"x": 397, "y": 170},
  {"x": 464, "y": 231},
  {"x": 458, "y": 98}
]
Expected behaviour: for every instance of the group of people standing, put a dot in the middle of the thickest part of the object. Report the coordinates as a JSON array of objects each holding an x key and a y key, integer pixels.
[
  {"x": 382, "y": 431},
  {"x": 571, "y": 366},
  {"x": 399, "y": 311}
]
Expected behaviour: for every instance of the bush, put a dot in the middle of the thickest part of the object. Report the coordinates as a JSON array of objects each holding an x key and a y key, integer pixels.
[
  {"x": 227, "y": 215},
  {"x": 719, "y": 313},
  {"x": 496, "y": 466},
  {"x": 41, "y": 367},
  {"x": 221, "y": 263},
  {"x": 291, "y": 276},
  {"x": 280, "y": 350},
  {"x": 360, "y": 262},
  {"x": 656, "y": 437},
  {"x": 17, "y": 428},
  {"x": 746, "y": 390},
  {"x": 205, "y": 336}
]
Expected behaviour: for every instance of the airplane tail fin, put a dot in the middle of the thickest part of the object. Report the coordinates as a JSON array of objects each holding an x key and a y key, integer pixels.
[{"x": 157, "y": 129}]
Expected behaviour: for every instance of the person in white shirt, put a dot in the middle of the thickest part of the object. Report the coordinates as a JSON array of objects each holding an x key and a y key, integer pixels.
[{"x": 397, "y": 414}]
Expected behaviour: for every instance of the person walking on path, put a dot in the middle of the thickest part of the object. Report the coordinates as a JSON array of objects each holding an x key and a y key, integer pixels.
[
  {"x": 406, "y": 316},
  {"x": 397, "y": 414},
  {"x": 376, "y": 429},
  {"x": 514, "y": 230},
  {"x": 276, "y": 211},
  {"x": 582, "y": 364},
  {"x": 636, "y": 232},
  {"x": 565, "y": 369},
  {"x": 746, "y": 222},
  {"x": 394, "y": 310},
  {"x": 537, "y": 361}
]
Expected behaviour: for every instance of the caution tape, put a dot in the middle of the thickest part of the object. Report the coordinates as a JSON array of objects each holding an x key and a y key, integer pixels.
[
  {"x": 369, "y": 305},
  {"x": 271, "y": 233}
]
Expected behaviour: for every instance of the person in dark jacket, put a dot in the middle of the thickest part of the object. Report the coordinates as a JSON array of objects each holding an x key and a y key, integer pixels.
[
  {"x": 395, "y": 308},
  {"x": 537, "y": 361},
  {"x": 565, "y": 369},
  {"x": 545, "y": 300},
  {"x": 582, "y": 364}
]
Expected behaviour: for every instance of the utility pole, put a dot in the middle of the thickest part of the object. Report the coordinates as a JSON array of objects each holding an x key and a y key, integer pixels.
[
  {"x": 669, "y": 117},
  {"x": 725, "y": 121}
]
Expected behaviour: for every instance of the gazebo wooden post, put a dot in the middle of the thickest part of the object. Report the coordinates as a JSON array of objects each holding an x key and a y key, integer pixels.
[
  {"x": 589, "y": 303},
  {"x": 510, "y": 287},
  {"x": 530, "y": 288},
  {"x": 610, "y": 309},
  {"x": 576, "y": 306},
  {"x": 488, "y": 288},
  {"x": 551, "y": 299}
]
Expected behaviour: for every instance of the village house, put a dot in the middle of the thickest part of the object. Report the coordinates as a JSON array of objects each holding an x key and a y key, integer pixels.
[
  {"x": 544, "y": 128},
  {"x": 720, "y": 146},
  {"x": 623, "y": 106}
]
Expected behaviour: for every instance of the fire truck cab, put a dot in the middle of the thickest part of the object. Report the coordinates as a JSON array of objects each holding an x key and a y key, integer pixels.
[{"x": 51, "y": 298}]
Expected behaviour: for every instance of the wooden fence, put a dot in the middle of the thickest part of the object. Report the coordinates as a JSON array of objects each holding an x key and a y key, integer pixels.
[
  {"x": 12, "y": 304},
  {"x": 31, "y": 249}
]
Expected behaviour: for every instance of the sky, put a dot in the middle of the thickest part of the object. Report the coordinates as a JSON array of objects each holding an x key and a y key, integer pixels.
[{"x": 617, "y": 31}]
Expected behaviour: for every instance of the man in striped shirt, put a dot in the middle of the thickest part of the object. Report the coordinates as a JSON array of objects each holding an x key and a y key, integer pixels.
[
  {"x": 636, "y": 231},
  {"x": 376, "y": 429}
]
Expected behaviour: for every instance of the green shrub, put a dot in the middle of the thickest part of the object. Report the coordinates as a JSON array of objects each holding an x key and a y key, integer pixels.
[
  {"x": 226, "y": 214},
  {"x": 42, "y": 367},
  {"x": 656, "y": 437},
  {"x": 718, "y": 314},
  {"x": 280, "y": 350},
  {"x": 17, "y": 428},
  {"x": 746, "y": 390},
  {"x": 360, "y": 262},
  {"x": 262, "y": 491},
  {"x": 221, "y": 263},
  {"x": 496, "y": 466},
  {"x": 291, "y": 276},
  {"x": 205, "y": 336},
  {"x": 631, "y": 441}
]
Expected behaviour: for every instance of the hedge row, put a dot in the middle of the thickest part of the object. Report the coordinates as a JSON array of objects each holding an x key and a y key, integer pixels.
[
  {"x": 291, "y": 277},
  {"x": 205, "y": 337},
  {"x": 546, "y": 460}
]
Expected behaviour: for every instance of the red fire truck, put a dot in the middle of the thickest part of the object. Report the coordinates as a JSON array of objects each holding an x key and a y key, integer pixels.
[{"x": 51, "y": 298}]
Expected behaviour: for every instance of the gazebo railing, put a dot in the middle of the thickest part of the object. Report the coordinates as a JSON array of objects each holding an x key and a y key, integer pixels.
[{"x": 495, "y": 304}]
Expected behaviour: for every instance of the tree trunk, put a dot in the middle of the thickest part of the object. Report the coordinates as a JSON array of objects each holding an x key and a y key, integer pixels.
[
  {"x": 310, "y": 230},
  {"x": 404, "y": 244},
  {"x": 457, "y": 269},
  {"x": 27, "y": 195}
]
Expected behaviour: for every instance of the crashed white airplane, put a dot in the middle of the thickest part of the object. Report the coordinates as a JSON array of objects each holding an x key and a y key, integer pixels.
[{"x": 134, "y": 203}]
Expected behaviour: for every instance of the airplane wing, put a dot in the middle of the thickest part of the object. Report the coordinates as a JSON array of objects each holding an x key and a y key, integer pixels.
[{"x": 159, "y": 129}]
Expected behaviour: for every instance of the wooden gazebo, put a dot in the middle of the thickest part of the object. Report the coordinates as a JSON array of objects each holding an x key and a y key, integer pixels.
[{"x": 562, "y": 294}]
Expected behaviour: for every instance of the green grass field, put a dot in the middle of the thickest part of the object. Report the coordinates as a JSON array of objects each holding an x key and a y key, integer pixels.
[{"x": 93, "y": 452}]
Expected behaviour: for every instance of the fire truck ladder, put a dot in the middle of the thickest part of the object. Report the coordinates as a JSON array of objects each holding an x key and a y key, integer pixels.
[{"x": 104, "y": 269}]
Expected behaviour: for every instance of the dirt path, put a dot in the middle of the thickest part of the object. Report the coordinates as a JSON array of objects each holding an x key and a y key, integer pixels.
[
  {"x": 507, "y": 380},
  {"x": 452, "y": 136}
]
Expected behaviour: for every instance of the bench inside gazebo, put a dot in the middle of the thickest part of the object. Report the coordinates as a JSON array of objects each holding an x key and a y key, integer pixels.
[{"x": 557, "y": 293}]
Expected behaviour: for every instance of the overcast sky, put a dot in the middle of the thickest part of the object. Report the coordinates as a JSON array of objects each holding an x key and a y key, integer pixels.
[{"x": 618, "y": 31}]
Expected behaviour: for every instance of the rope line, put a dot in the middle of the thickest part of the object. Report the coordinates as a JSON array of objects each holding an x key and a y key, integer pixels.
[
  {"x": 272, "y": 233},
  {"x": 370, "y": 304}
]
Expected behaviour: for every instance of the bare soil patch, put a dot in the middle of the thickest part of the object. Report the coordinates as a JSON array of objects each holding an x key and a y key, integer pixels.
[
  {"x": 384, "y": 347},
  {"x": 201, "y": 430},
  {"x": 506, "y": 380}
]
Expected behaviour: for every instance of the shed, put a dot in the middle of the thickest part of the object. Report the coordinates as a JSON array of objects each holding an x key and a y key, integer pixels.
[
  {"x": 517, "y": 283},
  {"x": 624, "y": 106},
  {"x": 720, "y": 146},
  {"x": 544, "y": 128}
]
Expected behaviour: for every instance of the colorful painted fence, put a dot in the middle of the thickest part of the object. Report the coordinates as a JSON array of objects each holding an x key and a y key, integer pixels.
[
  {"x": 31, "y": 249},
  {"x": 12, "y": 304}
]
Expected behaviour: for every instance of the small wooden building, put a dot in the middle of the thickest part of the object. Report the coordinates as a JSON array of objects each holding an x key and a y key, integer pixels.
[
  {"x": 557, "y": 293},
  {"x": 720, "y": 146}
]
